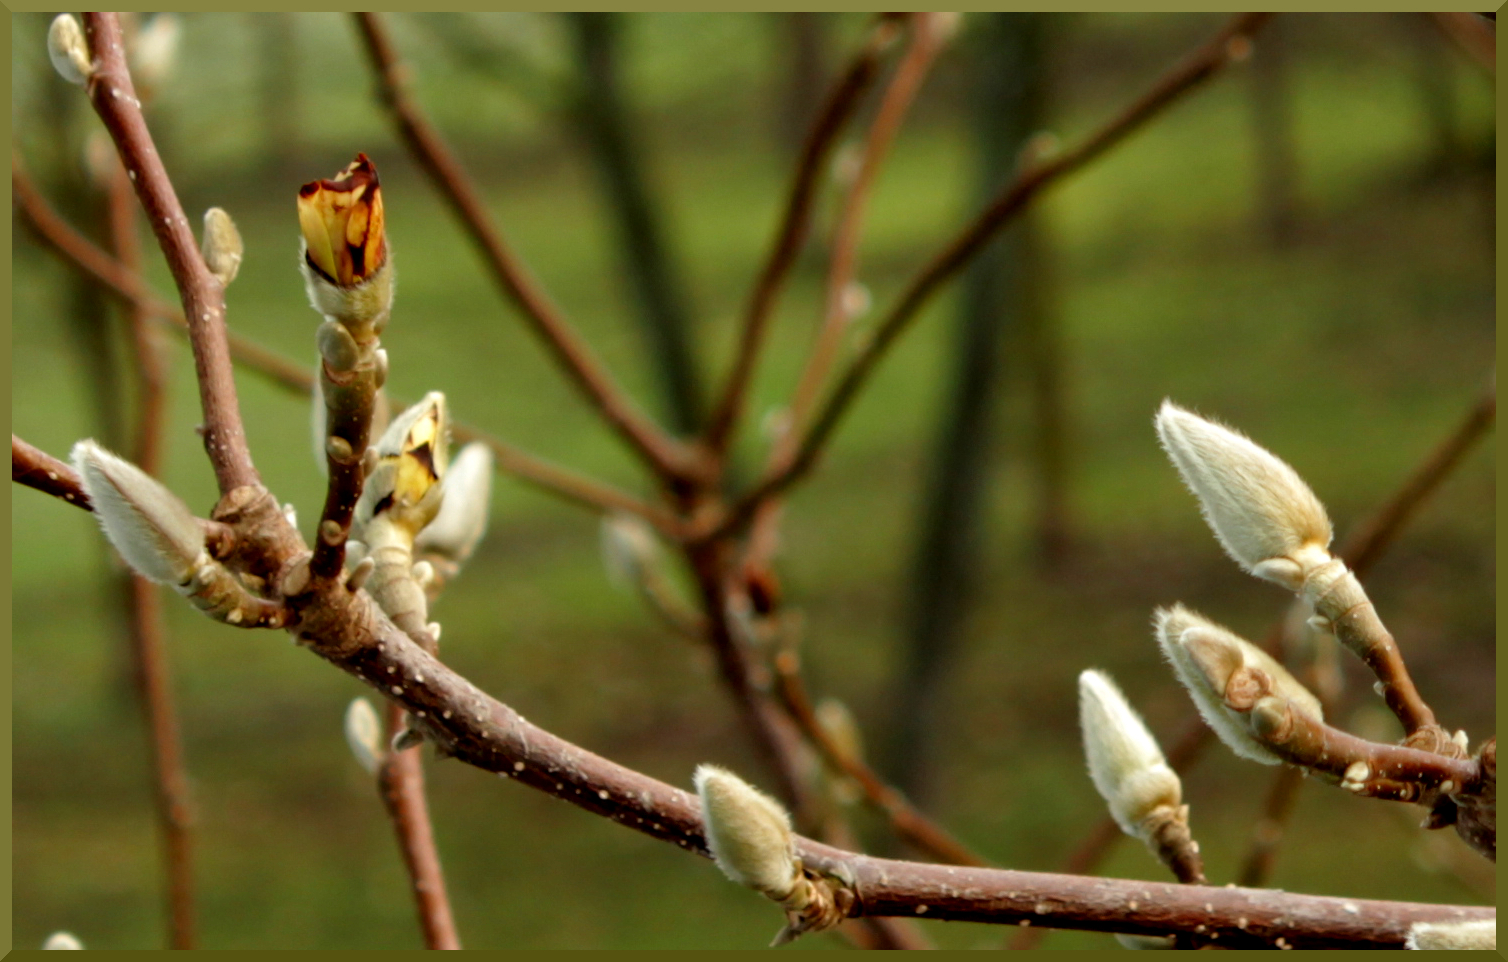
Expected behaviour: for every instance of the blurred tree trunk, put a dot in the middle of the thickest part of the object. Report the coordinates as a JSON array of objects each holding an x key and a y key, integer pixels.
[
  {"x": 801, "y": 56},
  {"x": 659, "y": 295},
  {"x": 1272, "y": 125},
  {"x": 277, "y": 92},
  {"x": 1007, "y": 93}
]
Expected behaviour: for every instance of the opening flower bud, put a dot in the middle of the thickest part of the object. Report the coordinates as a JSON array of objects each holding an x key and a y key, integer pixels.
[
  {"x": 748, "y": 832},
  {"x": 153, "y": 530},
  {"x": 411, "y": 458},
  {"x": 462, "y": 520},
  {"x": 1205, "y": 656},
  {"x": 342, "y": 222},
  {"x": 1259, "y": 508},
  {"x": 1125, "y": 762}
]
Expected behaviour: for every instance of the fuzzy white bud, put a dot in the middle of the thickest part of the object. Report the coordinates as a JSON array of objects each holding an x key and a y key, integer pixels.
[
  {"x": 222, "y": 245},
  {"x": 464, "y": 506},
  {"x": 1262, "y": 512},
  {"x": 629, "y": 549},
  {"x": 62, "y": 940},
  {"x": 68, "y": 49},
  {"x": 153, "y": 530},
  {"x": 748, "y": 832},
  {"x": 364, "y": 734},
  {"x": 1481, "y": 934},
  {"x": 1204, "y": 656},
  {"x": 1125, "y": 762}
]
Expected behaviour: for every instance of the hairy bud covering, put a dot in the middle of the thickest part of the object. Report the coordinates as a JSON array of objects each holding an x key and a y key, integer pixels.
[
  {"x": 1125, "y": 762},
  {"x": 1481, "y": 934},
  {"x": 748, "y": 832},
  {"x": 462, "y": 520},
  {"x": 153, "y": 530},
  {"x": 1259, "y": 508},
  {"x": 1204, "y": 656}
]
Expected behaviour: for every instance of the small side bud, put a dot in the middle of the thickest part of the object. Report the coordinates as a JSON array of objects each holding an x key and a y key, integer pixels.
[
  {"x": 1205, "y": 657},
  {"x": 68, "y": 49},
  {"x": 1125, "y": 762},
  {"x": 153, "y": 530},
  {"x": 839, "y": 724},
  {"x": 629, "y": 549},
  {"x": 1481, "y": 934},
  {"x": 222, "y": 245},
  {"x": 748, "y": 832},
  {"x": 364, "y": 734},
  {"x": 62, "y": 940},
  {"x": 462, "y": 520},
  {"x": 154, "y": 51},
  {"x": 1262, "y": 512}
]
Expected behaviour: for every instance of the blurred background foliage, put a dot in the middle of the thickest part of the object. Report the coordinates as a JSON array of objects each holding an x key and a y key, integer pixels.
[{"x": 1303, "y": 248}]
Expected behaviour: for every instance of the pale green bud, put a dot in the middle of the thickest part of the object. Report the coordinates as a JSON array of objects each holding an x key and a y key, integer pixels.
[
  {"x": 222, "y": 245},
  {"x": 153, "y": 530},
  {"x": 1262, "y": 512},
  {"x": 748, "y": 832},
  {"x": 364, "y": 734},
  {"x": 68, "y": 49}
]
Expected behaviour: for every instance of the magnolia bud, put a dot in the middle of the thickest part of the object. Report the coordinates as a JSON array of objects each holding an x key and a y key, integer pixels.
[
  {"x": 151, "y": 528},
  {"x": 68, "y": 50},
  {"x": 839, "y": 724},
  {"x": 629, "y": 549},
  {"x": 364, "y": 734},
  {"x": 411, "y": 458},
  {"x": 1262, "y": 512},
  {"x": 748, "y": 832},
  {"x": 463, "y": 510},
  {"x": 345, "y": 251},
  {"x": 1126, "y": 764},
  {"x": 62, "y": 940},
  {"x": 1479, "y": 934},
  {"x": 222, "y": 245},
  {"x": 1204, "y": 656}
]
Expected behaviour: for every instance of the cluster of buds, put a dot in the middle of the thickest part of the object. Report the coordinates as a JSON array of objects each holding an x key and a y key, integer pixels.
[{"x": 749, "y": 835}]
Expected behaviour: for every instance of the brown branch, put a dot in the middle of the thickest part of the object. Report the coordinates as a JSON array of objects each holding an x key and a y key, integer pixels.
[
  {"x": 1476, "y": 37},
  {"x": 143, "y": 602},
  {"x": 80, "y": 253},
  {"x": 910, "y": 823},
  {"x": 667, "y": 457},
  {"x": 400, "y": 781},
  {"x": 840, "y": 104},
  {"x": 1229, "y": 44},
  {"x": 36, "y": 468},
  {"x": 471, "y": 726},
  {"x": 114, "y": 98}
]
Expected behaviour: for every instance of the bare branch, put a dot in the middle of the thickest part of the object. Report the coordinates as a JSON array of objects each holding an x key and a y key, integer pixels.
[
  {"x": 400, "y": 780},
  {"x": 114, "y": 99},
  {"x": 668, "y": 458},
  {"x": 36, "y": 468},
  {"x": 796, "y": 223},
  {"x": 1229, "y": 44}
]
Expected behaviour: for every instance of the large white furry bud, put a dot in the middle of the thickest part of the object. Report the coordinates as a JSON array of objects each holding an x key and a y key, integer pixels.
[
  {"x": 748, "y": 832},
  {"x": 1481, "y": 934},
  {"x": 1262, "y": 512},
  {"x": 1125, "y": 762},
  {"x": 1204, "y": 656},
  {"x": 151, "y": 528}
]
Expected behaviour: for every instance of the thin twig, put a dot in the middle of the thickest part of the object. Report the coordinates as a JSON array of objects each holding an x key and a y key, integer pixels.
[
  {"x": 36, "y": 468},
  {"x": 925, "y": 41},
  {"x": 79, "y": 252},
  {"x": 143, "y": 601},
  {"x": 840, "y": 104},
  {"x": 1270, "y": 827},
  {"x": 400, "y": 781},
  {"x": 668, "y": 458},
  {"x": 114, "y": 98},
  {"x": 910, "y": 823},
  {"x": 1229, "y": 44}
]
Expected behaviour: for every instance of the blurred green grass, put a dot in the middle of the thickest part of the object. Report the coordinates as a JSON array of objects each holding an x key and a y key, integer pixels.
[{"x": 1350, "y": 354}]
